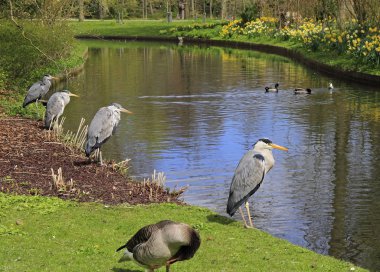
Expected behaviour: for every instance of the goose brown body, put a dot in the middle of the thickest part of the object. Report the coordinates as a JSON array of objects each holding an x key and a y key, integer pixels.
[{"x": 163, "y": 243}]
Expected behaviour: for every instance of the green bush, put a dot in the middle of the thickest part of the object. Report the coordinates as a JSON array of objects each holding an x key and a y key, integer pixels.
[
  {"x": 20, "y": 58},
  {"x": 250, "y": 13}
]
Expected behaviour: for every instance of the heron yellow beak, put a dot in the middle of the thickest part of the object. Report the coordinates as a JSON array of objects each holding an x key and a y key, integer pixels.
[
  {"x": 126, "y": 111},
  {"x": 71, "y": 94},
  {"x": 279, "y": 147}
]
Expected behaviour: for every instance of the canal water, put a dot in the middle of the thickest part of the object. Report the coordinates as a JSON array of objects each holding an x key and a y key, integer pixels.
[{"x": 198, "y": 109}]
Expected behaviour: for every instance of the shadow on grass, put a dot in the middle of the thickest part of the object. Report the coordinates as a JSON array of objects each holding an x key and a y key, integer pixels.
[
  {"x": 219, "y": 219},
  {"x": 118, "y": 269}
]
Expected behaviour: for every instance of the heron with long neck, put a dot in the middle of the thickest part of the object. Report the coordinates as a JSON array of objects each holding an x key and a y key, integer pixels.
[{"x": 249, "y": 175}]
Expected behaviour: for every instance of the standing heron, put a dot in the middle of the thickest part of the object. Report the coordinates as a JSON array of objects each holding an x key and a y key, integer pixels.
[
  {"x": 103, "y": 126},
  {"x": 38, "y": 90},
  {"x": 272, "y": 88},
  {"x": 56, "y": 105},
  {"x": 249, "y": 175},
  {"x": 161, "y": 244}
]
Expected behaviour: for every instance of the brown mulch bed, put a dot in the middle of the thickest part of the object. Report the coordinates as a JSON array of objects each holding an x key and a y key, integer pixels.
[{"x": 27, "y": 156}]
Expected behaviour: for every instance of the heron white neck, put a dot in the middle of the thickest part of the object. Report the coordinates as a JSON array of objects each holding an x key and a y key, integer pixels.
[{"x": 268, "y": 157}]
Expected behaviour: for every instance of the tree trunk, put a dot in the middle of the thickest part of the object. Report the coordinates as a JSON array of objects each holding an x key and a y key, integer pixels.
[
  {"x": 81, "y": 10},
  {"x": 210, "y": 9}
]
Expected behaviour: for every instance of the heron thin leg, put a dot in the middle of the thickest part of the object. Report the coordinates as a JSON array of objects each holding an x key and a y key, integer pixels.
[
  {"x": 242, "y": 215},
  {"x": 100, "y": 156},
  {"x": 168, "y": 268},
  {"x": 249, "y": 214},
  {"x": 38, "y": 115}
]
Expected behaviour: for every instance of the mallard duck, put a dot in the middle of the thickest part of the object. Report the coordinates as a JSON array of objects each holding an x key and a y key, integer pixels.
[
  {"x": 302, "y": 91},
  {"x": 161, "y": 244},
  {"x": 272, "y": 88}
]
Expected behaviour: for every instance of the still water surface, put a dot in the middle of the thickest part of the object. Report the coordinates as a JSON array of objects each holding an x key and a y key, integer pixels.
[{"x": 197, "y": 110}]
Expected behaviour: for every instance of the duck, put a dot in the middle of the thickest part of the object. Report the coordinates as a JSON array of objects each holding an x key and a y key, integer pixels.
[
  {"x": 163, "y": 243},
  {"x": 272, "y": 89},
  {"x": 302, "y": 91}
]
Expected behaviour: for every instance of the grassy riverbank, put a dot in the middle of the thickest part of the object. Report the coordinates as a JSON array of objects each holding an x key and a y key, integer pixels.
[
  {"x": 48, "y": 234},
  {"x": 212, "y": 30}
]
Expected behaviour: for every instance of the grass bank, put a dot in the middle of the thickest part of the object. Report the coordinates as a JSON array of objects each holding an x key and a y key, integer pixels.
[
  {"x": 211, "y": 31},
  {"x": 11, "y": 100},
  {"x": 49, "y": 234}
]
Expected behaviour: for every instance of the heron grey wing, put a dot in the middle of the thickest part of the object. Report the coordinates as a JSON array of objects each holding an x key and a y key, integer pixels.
[
  {"x": 54, "y": 109},
  {"x": 101, "y": 126},
  {"x": 56, "y": 105},
  {"x": 34, "y": 93},
  {"x": 247, "y": 179}
]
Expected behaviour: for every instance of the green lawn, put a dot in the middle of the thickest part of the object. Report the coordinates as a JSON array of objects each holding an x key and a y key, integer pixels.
[{"x": 48, "y": 234}]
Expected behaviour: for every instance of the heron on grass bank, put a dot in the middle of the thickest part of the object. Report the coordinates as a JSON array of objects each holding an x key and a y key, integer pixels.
[
  {"x": 249, "y": 175},
  {"x": 102, "y": 127},
  {"x": 56, "y": 105},
  {"x": 38, "y": 90},
  {"x": 160, "y": 244}
]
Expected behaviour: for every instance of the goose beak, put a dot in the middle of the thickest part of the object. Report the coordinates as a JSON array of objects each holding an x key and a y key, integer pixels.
[
  {"x": 279, "y": 147},
  {"x": 126, "y": 111},
  {"x": 71, "y": 94}
]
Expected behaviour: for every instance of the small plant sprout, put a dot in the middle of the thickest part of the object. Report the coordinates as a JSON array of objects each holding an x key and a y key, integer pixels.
[{"x": 59, "y": 183}]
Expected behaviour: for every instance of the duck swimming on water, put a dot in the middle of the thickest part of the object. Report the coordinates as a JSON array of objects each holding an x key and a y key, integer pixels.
[
  {"x": 302, "y": 91},
  {"x": 272, "y": 88}
]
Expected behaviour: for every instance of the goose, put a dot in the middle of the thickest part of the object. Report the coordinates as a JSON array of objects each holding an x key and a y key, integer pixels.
[
  {"x": 161, "y": 244},
  {"x": 302, "y": 91},
  {"x": 271, "y": 88},
  {"x": 38, "y": 90},
  {"x": 56, "y": 105},
  {"x": 249, "y": 175}
]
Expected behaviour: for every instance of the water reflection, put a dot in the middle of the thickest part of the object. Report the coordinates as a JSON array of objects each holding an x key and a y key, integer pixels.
[{"x": 198, "y": 109}]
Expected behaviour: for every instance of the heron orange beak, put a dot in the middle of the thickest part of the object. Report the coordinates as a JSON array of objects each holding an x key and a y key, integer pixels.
[
  {"x": 126, "y": 111},
  {"x": 71, "y": 94},
  {"x": 279, "y": 147}
]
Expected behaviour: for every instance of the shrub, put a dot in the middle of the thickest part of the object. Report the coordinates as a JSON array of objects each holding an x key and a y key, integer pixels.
[
  {"x": 21, "y": 59},
  {"x": 250, "y": 13}
]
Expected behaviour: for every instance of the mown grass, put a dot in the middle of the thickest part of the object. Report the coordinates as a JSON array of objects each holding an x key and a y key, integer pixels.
[
  {"x": 48, "y": 234},
  {"x": 160, "y": 28}
]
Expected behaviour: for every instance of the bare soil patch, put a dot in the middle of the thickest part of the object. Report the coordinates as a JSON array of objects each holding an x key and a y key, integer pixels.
[{"x": 27, "y": 157}]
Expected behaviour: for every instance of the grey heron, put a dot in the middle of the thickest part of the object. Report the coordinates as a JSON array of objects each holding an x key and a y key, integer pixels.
[
  {"x": 56, "y": 105},
  {"x": 272, "y": 88},
  {"x": 249, "y": 175},
  {"x": 302, "y": 91},
  {"x": 103, "y": 126},
  {"x": 38, "y": 90},
  {"x": 163, "y": 243}
]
